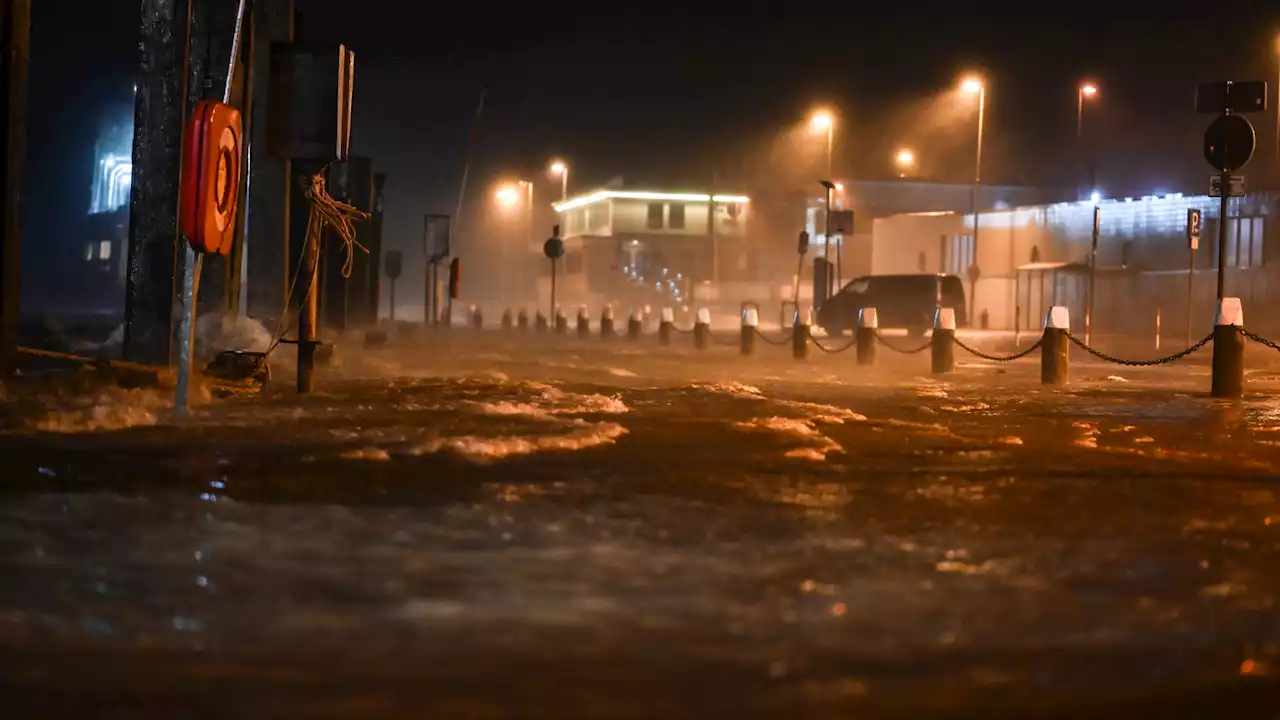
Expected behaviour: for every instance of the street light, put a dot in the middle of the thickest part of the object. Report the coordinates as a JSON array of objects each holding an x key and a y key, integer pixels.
[
  {"x": 1090, "y": 91},
  {"x": 558, "y": 167},
  {"x": 507, "y": 195},
  {"x": 905, "y": 160},
  {"x": 974, "y": 85},
  {"x": 823, "y": 121}
]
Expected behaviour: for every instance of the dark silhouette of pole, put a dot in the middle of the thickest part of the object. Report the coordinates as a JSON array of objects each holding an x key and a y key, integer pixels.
[{"x": 16, "y": 27}]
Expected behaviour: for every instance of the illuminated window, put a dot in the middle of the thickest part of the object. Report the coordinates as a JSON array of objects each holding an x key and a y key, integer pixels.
[
  {"x": 88, "y": 252},
  {"x": 104, "y": 250},
  {"x": 675, "y": 216},
  {"x": 655, "y": 216}
]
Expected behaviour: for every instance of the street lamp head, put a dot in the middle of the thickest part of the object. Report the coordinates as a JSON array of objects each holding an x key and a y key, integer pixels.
[
  {"x": 971, "y": 84},
  {"x": 1088, "y": 89},
  {"x": 558, "y": 167},
  {"x": 827, "y": 184},
  {"x": 905, "y": 158},
  {"x": 507, "y": 195},
  {"x": 821, "y": 120},
  {"x": 839, "y": 187}
]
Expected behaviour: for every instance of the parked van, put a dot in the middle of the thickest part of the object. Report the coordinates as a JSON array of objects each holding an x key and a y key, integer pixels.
[{"x": 901, "y": 301}]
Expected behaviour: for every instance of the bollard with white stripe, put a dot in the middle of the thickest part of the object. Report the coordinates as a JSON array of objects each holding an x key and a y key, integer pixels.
[
  {"x": 942, "y": 351},
  {"x": 1054, "y": 346},
  {"x": 665, "y": 325},
  {"x": 635, "y": 324},
  {"x": 606, "y": 322},
  {"x": 1228, "y": 349},
  {"x": 562, "y": 322},
  {"x": 477, "y": 318},
  {"x": 584, "y": 322},
  {"x": 540, "y": 322},
  {"x": 702, "y": 329},
  {"x": 750, "y": 321},
  {"x": 865, "y": 340},
  {"x": 800, "y": 334},
  {"x": 506, "y": 319}
]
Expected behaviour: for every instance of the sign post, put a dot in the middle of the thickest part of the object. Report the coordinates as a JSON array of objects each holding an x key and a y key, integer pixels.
[
  {"x": 1228, "y": 145},
  {"x": 395, "y": 265},
  {"x": 1193, "y": 242},
  {"x": 435, "y": 247},
  {"x": 1093, "y": 275},
  {"x": 553, "y": 248}
]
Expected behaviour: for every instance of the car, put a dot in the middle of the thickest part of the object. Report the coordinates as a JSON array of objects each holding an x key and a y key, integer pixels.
[{"x": 901, "y": 301}]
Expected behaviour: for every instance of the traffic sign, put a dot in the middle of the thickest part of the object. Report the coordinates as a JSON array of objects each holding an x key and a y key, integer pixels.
[
  {"x": 841, "y": 222},
  {"x": 1193, "y": 228},
  {"x": 553, "y": 248},
  {"x": 1230, "y": 96},
  {"x": 1235, "y": 186},
  {"x": 394, "y": 263},
  {"x": 435, "y": 237},
  {"x": 1229, "y": 143}
]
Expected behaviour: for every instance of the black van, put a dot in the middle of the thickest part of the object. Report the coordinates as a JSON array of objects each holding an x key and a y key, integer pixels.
[{"x": 901, "y": 301}]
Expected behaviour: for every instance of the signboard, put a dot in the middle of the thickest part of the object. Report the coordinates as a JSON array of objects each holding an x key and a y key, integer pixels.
[
  {"x": 1229, "y": 143},
  {"x": 435, "y": 237},
  {"x": 1229, "y": 96},
  {"x": 841, "y": 222},
  {"x": 1193, "y": 228},
  {"x": 394, "y": 263},
  {"x": 1235, "y": 186}
]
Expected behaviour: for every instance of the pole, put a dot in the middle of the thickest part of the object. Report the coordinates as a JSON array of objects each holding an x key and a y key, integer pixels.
[
  {"x": 1093, "y": 276},
  {"x": 529, "y": 239},
  {"x": 826, "y": 251},
  {"x": 831, "y": 139},
  {"x": 1191, "y": 272},
  {"x": 1222, "y": 232},
  {"x": 393, "y": 301},
  {"x": 1079, "y": 134},
  {"x": 14, "y": 60},
  {"x": 553, "y": 288},
  {"x": 977, "y": 184},
  {"x": 564, "y": 184},
  {"x": 307, "y": 316}
]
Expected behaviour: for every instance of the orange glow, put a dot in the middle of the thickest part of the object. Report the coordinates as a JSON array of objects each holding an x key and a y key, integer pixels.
[
  {"x": 507, "y": 195},
  {"x": 1088, "y": 89},
  {"x": 972, "y": 84},
  {"x": 558, "y": 168},
  {"x": 821, "y": 120},
  {"x": 905, "y": 158}
]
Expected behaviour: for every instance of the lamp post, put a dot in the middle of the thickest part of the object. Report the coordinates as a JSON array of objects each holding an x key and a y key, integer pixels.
[
  {"x": 1090, "y": 91},
  {"x": 560, "y": 168},
  {"x": 508, "y": 196},
  {"x": 975, "y": 86}
]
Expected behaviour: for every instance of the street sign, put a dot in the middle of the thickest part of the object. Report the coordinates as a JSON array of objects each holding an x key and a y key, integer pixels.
[
  {"x": 1230, "y": 96},
  {"x": 1229, "y": 143},
  {"x": 1235, "y": 186},
  {"x": 435, "y": 237},
  {"x": 553, "y": 248},
  {"x": 841, "y": 222},
  {"x": 1193, "y": 228},
  {"x": 803, "y": 244},
  {"x": 395, "y": 264}
]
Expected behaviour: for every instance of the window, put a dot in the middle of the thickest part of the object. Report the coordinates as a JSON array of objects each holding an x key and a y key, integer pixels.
[
  {"x": 88, "y": 252},
  {"x": 959, "y": 255},
  {"x": 1244, "y": 242},
  {"x": 104, "y": 250},
  {"x": 655, "y": 216},
  {"x": 675, "y": 216}
]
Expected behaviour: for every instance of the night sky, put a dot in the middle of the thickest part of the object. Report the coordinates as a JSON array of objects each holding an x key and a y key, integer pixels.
[{"x": 672, "y": 94}]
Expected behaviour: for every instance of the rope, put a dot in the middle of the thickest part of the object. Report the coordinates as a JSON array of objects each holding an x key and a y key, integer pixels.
[
  {"x": 896, "y": 349},
  {"x": 785, "y": 339},
  {"x": 325, "y": 212},
  {"x": 1140, "y": 363},
  {"x": 832, "y": 350},
  {"x": 999, "y": 358}
]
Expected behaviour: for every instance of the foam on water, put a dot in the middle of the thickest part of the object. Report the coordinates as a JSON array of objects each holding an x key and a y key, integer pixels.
[
  {"x": 579, "y": 436},
  {"x": 106, "y": 409},
  {"x": 552, "y": 401},
  {"x": 816, "y": 445}
]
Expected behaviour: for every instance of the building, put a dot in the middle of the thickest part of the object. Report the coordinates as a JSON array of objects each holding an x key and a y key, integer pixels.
[
  {"x": 648, "y": 246},
  {"x": 1027, "y": 259}
]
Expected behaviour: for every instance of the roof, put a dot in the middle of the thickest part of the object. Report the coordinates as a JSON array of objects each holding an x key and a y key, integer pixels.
[{"x": 600, "y": 195}]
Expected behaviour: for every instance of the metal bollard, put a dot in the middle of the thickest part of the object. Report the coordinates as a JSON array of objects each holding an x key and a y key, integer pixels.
[
  {"x": 665, "y": 325},
  {"x": 702, "y": 329},
  {"x": 506, "y": 319},
  {"x": 584, "y": 322},
  {"x": 800, "y": 335},
  {"x": 865, "y": 340},
  {"x": 522, "y": 320},
  {"x": 540, "y": 322},
  {"x": 477, "y": 318},
  {"x": 635, "y": 324},
  {"x": 1228, "y": 349},
  {"x": 606, "y": 322},
  {"x": 750, "y": 321},
  {"x": 1054, "y": 346},
  {"x": 942, "y": 351},
  {"x": 562, "y": 322}
]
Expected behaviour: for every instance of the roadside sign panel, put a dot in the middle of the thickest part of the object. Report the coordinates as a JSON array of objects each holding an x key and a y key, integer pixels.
[
  {"x": 1235, "y": 186},
  {"x": 1193, "y": 228}
]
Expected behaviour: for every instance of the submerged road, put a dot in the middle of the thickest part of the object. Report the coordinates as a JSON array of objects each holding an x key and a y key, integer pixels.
[{"x": 507, "y": 527}]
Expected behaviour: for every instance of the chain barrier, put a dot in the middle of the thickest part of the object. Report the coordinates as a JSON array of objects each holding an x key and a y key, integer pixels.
[
  {"x": 681, "y": 330},
  {"x": 786, "y": 339},
  {"x": 881, "y": 339},
  {"x": 832, "y": 350},
  {"x": 999, "y": 358},
  {"x": 1259, "y": 339},
  {"x": 1141, "y": 363}
]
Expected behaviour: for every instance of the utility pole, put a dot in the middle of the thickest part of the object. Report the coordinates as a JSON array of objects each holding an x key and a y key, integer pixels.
[{"x": 16, "y": 29}]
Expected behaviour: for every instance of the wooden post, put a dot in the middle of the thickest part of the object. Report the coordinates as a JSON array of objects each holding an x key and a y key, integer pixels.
[{"x": 16, "y": 29}]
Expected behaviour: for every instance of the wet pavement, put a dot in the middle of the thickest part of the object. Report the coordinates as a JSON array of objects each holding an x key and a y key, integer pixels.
[{"x": 510, "y": 527}]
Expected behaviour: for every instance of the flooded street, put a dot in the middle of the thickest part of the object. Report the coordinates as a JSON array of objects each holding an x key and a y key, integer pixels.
[{"x": 512, "y": 527}]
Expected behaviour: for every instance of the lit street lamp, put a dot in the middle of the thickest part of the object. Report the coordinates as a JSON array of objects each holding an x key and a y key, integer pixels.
[
  {"x": 824, "y": 121},
  {"x": 905, "y": 160},
  {"x": 1090, "y": 91},
  {"x": 558, "y": 167},
  {"x": 975, "y": 86},
  {"x": 508, "y": 197}
]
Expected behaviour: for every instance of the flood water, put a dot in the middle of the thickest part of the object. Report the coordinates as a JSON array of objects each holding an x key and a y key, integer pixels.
[{"x": 512, "y": 527}]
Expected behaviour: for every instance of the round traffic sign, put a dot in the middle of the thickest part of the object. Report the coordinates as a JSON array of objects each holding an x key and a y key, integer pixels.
[
  {"x": 1229, "y": 143},
  {"x": 553, "y": 248}
]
